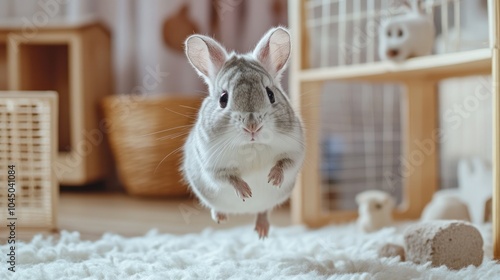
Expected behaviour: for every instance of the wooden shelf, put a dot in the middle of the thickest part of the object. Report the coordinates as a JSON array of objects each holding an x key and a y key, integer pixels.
[
  {"x": 74, "y": 62},
  {"x": 433, "y": 67}
]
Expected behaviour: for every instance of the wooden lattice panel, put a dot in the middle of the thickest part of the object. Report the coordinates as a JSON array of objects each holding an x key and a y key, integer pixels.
[{"x": 28, "y": 139}]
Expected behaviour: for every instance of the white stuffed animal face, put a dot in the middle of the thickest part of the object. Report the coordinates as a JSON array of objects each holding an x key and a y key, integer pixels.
[
  {"x": 375, "y": 210},
  {"x": 395, "y": 37},
  {"x": 375, "y": 206},
  {"x": 374, "y": 202},
  {"x": 405, "y": 36}
]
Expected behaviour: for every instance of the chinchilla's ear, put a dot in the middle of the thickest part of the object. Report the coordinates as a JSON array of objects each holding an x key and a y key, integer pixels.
[
  {"x": 273, "y": 51},
  {"x": 360, "y": 198},
  {"x": 206, "y": 55}
]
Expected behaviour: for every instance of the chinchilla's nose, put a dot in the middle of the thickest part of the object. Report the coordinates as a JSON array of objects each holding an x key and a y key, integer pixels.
[
  {"x": 252, "y": 124},
  {"x": 252, "y": 127}
]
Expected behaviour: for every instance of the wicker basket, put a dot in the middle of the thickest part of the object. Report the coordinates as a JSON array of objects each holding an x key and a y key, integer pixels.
[{"x": 146, "y": 136}]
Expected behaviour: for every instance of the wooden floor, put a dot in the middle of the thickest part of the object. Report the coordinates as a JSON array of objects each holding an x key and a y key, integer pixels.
[{"x": 93, "y": 214}]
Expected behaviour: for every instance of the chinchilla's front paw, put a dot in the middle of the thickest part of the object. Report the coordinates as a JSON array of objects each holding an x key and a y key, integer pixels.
[
  {"x": 276, "y": 176},
  {"x": 242, "y": 189}
]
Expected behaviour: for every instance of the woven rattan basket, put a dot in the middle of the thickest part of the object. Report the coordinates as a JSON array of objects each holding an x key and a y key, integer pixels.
[{"x": 146, "y": 135}]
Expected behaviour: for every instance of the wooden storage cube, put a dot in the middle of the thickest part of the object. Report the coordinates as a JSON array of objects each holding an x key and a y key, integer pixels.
[
  {"x": 45, "y": 67},
  {"x": 3, "y": 65},
  {"x": 75, "y": 62}
]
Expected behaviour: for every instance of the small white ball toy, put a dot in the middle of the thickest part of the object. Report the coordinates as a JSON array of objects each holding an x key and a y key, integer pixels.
[
  {"x": 407, "y": 35},
  {"x": 375, "y": 210}
]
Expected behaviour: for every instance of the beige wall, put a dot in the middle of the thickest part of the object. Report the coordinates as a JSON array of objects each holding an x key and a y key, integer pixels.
[{"x": 466, "y": 120}]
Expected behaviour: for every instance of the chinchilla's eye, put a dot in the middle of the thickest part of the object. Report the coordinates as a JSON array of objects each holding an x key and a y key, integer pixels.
[
  {"x": 223, "y": 99},
  {"x": 400, "y": 32},
  {"x": 270, "y": 94}
]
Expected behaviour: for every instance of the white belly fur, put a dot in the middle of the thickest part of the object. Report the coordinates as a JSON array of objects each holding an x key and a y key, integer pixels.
[
  {"x": 265, "y": 196},
  {"x": 254, "y": 164}
]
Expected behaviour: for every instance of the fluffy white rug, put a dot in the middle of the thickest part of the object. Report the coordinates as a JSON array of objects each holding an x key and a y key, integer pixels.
[{"x": 335, "y": 252}]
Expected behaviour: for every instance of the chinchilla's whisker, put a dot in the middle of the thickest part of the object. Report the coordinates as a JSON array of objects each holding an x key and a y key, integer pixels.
[
  {"x": 172, "y": 152},
  {"x": 303, "y": 145},
  {"x": 214, "y": 139},
  {"x": 189, "y": 107},
  {"x": 301, "y": 142},
  {"x": 307, "y": 125},
  {"x": 220, "y": 153},
  {"x": 165, "y": 130},
  {"x": 217, "y": 145},
  {"x": 191, "y": 117},
  {"x": 177, "y": 133},
  {"x": 202, "y": 91},
  {"x": 214, "y": 151},
  {"x": 173, "y": 136}
]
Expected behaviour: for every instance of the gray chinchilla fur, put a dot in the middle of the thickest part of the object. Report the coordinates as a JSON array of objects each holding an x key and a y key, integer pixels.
[{"x": 247, "y": 145}]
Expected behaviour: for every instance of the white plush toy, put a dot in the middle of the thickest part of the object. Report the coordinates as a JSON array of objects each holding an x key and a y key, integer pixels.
[
  {"x": 446, "y": 205},
  {"x": 475, "y": 184},
  {"x": 407, "y": 35},
  {"x": 375, "y": 210},
  {"x": 469, "y": 201}
]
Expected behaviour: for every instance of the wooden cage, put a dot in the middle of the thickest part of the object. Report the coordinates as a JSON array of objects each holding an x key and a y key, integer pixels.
[{"x": 419, "y": 77}]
